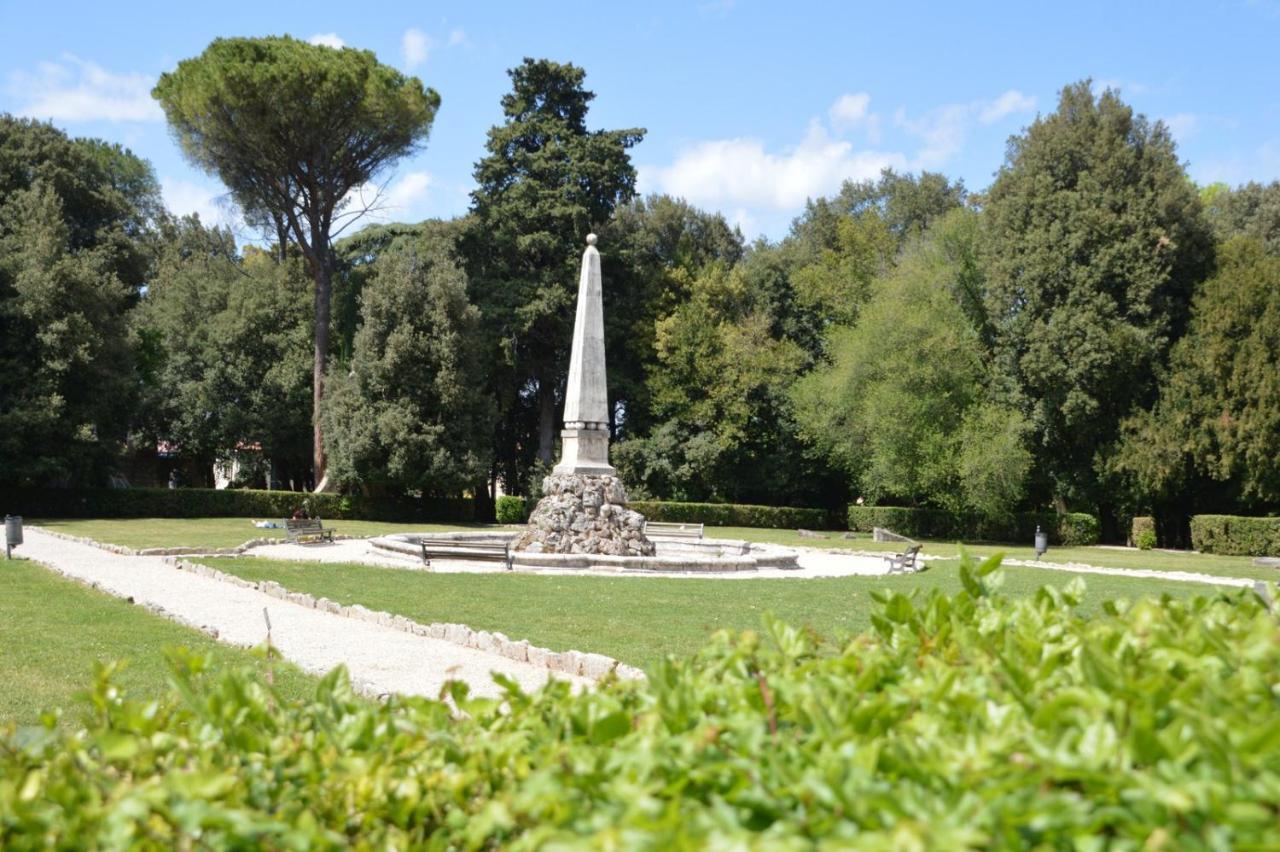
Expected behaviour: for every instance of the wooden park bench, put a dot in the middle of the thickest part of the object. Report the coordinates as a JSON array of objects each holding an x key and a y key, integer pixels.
[
  {"x": 666, "y": 530},
  {"x": 306, "y": 528},
  {"x": 904, "y": 562},
  {"x": 441, "y": 548}
]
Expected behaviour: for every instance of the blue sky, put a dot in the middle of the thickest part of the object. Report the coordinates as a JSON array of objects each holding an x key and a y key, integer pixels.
[{"x": 750, "y": 106}]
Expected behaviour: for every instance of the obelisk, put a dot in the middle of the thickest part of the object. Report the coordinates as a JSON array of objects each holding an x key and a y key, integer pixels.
[
  {"x": 585, "y": 439},
  {"x": 584, "y": 506}
]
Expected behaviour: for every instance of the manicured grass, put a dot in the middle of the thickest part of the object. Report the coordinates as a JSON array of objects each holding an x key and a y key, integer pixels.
[
  {"x": 1103, "y": 557},
  {"x": 213, "y": 532},
  {"x": 52, "y": 630},
  {"x": 640, "y": 619},
  {"x": 230, "y": 532}
]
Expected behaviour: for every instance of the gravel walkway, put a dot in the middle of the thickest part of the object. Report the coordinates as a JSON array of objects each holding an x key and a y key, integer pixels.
[
  {"x": 814, "y": 562},
  {"x": 380, "y": 659}
]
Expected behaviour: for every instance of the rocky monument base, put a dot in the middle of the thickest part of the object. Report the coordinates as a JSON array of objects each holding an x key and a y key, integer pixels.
[{"x": 581, "y": 513}]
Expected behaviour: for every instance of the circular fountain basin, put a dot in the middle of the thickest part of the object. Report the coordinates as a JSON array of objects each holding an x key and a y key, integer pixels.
[{"x": 710, "y": 555}]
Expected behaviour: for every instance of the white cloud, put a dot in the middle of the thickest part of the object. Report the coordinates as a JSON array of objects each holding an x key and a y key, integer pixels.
[
  {"x": 1183, "y": 125},
  {"x": 408, "y": 190},
  {"x": 416, "y": 45},
  {"x": 741, "y": 173},
  {"x": 849, "y": 109},
  {"x": 1007, "y": 104},
  {"x": 184, "y": 197},
  {"x": 79, "y": 90},
  {"x": 717, "y": 8},
  {"x": 328, "y": 40},
  {"x": 392, "y": 201},
  {"x": 941, "y": 132}
]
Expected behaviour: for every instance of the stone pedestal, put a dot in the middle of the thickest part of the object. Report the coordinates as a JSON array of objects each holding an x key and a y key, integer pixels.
[
  {"x": 583, "y": 513},
  {"x": 584, "y": 450}
]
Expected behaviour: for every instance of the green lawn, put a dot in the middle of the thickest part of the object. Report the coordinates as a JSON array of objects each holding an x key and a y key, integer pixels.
[
  {"x": 639, "y": 619},
  {"x": 1103, "y": 557},
  {"x": 230, "y": 532},
  {"x": 52, "y": 630},
  {"x": 212, "y": 532}
]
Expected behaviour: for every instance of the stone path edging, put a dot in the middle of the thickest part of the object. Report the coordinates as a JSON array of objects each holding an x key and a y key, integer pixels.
[
  {"x": 571, "y": 662},
  {"x": 151, "y": 607}
]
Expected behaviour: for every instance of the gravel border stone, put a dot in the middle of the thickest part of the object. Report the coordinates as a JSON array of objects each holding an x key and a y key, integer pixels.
[{"x": 571, "y": 662}]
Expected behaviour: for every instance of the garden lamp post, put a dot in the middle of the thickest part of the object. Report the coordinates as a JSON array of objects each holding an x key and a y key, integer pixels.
[{"x": 1042, "y": 542}]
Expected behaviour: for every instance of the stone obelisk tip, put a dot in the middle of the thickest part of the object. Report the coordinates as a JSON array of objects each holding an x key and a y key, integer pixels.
[{"x": 585, "y": 445}]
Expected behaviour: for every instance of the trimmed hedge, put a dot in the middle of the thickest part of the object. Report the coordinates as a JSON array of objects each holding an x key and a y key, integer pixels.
[
  {"x": 228, "y": 503},
  {"x": 1072, "y": 529},
  {"x": 509, "y": 509},
  {"x": 733, "y": 515},
  {"x": 1234, "y": 535},
  {"x": 1142, "y": 532}
]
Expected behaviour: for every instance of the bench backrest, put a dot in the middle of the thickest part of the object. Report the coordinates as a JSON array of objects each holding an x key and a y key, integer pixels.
[
  {"x": 465, "y": 545},
  {"x": 303, "y": 524},
  {"x": 674, "y": 530}
]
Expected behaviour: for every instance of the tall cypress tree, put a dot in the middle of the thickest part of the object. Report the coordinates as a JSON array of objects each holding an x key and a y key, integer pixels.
[{"x": 545, "y": 183}]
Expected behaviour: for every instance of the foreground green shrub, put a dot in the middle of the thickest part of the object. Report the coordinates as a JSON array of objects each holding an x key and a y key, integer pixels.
[
  {"x": 733, "y": 515},
  {"x": 226, "y": 503},
  {"x": 1233, "y": 535},
  {"x": 510, "y": 509},
  {"x": 961, "y": 721},
  {"x": 1073, "y": 529}
]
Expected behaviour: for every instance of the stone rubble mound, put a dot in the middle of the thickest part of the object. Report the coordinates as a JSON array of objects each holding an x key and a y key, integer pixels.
[{"x": 584, "y": 514}]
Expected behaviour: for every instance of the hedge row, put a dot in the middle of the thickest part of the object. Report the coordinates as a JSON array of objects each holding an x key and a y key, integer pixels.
[
  {"x": 228, "y": 503},
  {"x": 1072, "y": 529},
  {"x": 964, "y": 721},
  {"x": 1233, "y": 535},
  {"x": 733, "y": 515}
]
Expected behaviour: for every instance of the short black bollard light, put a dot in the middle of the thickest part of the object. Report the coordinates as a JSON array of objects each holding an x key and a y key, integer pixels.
[
  {"x": 12, "y": 534},
  {"x": 1042, "y": 542}
]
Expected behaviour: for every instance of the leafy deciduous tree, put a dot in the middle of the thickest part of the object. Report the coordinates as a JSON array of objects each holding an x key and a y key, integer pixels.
[
  {"x": 904, "y": 405},
  {"x": 74, "y": 223},
  {"x": 412, "y": 412},
  {"x": 229, "y": 338}
]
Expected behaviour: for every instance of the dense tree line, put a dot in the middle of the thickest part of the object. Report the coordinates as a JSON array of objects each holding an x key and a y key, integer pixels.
[{"x": 1091, "y": 332}]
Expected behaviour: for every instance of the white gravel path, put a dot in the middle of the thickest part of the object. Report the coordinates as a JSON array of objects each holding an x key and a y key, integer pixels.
[
  {"x": 380, "y": 659},
  {"x": 814, "y": 562}
]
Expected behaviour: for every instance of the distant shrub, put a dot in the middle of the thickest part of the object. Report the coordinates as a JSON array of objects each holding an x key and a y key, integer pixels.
[
  {"x": 962, "y": 721},
  {"x": 1142, "y": 532},
  {"x": 1233, "y": 535},
  {"x": 229, "y": 503},
  {"x": 734, "y": 515},
  {"x": 1070, "y": 530},
  {"x": 510, "y": 509}
]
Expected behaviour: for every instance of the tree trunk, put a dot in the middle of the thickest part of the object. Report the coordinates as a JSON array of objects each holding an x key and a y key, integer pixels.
[
  {"x": 324, "y": 287},
  {"x": 546, "y": 420}
]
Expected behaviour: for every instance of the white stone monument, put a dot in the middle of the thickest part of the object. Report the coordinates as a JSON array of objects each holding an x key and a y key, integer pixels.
[
  {"x": 584, "y": 506},
  {"x": 585, "y": 439}
]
